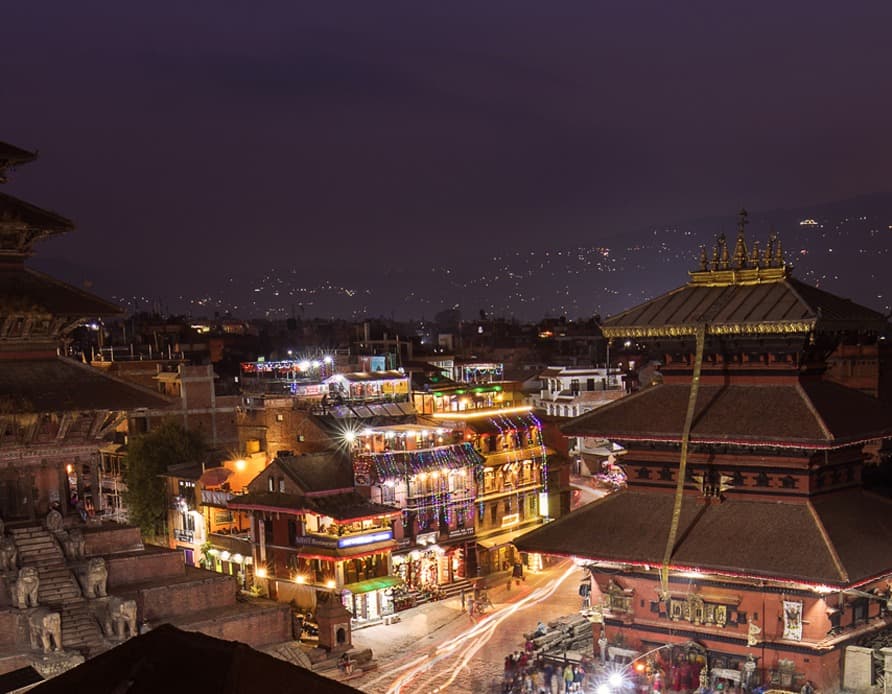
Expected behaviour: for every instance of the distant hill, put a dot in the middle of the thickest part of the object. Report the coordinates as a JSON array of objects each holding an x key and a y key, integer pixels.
[{"x": 846, "y": 252}]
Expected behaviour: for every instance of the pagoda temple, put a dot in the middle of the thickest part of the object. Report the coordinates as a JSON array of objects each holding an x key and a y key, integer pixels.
[
  {"x": 54, "y": 410},
  {"x": 744, "y": 550}
]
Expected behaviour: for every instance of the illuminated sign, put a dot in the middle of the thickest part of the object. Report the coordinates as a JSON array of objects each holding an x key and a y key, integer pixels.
[
  {"x": 510, "y": 519},
  {"x": 365, "y": 539}
]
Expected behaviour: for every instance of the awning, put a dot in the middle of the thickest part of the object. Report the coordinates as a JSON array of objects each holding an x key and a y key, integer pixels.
[
  {"x": 503, "y": 539},
  {"x": 373, "y": 584}
]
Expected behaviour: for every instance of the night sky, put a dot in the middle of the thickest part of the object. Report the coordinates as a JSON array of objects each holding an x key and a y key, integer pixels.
[{"x": 340, "y": 134}]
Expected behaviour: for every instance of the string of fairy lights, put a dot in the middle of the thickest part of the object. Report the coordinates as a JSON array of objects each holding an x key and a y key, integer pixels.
[
  {"x": 430, "y": 474},
  {"x": 513, "y": 427}
]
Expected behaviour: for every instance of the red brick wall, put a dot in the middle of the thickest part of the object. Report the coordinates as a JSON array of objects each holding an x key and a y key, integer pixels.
[
  {"x": 9, "y": 628},
  {"x": 111, "y": 539},
  {"x": 14, "y": 662},
  {"x": 256, "y": 628},
  {"x": 156, "y": 564},
  {"x": 206, "y": 591}
]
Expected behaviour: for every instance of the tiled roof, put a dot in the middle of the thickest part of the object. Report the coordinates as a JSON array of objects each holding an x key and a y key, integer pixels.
[
  {"x": 762, "y": 308},
  {"x": 23, "y": 289},
  {"x": 812, "y": 414},
  {"x": 836, "y": 539},
  {"x": 318, "y": 472},
  {"x": 14, "y": 209},
  {"x": 59, "y": 384},
  {"x": 10, "y": 155},
  {"x": 339, "y": 506}
]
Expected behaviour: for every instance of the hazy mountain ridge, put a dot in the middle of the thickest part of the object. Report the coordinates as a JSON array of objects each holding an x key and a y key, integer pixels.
[{"x": 846, "y": 252}]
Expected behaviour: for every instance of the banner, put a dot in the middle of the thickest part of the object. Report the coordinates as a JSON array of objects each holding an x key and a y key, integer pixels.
[{"x": 792, "y": 620}]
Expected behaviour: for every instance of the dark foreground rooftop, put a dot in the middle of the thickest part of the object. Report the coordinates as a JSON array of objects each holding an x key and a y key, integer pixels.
[{"x": 170, "y": 661}]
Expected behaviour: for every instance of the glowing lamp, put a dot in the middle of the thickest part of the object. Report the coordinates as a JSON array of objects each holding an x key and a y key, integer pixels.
[
  {"x": 241, "y": 464},
  {"x": 330, "y": 584},
  {"x": 260, "y": 572}
]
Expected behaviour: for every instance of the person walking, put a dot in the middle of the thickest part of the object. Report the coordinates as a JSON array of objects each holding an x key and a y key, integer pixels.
[
  {"x": 548, "y": 672},
  {"x": 568, "y": 677}
]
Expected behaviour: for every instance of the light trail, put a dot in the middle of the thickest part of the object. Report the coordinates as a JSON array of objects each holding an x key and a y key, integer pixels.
[{"x": 463, "y": 647}]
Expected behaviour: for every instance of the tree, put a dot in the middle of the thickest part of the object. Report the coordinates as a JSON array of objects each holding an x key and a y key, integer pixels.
[{"x": 148, "y": 457}]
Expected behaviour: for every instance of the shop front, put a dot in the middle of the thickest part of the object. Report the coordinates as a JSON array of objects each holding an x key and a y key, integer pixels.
[{"x": 371, "y": 599}]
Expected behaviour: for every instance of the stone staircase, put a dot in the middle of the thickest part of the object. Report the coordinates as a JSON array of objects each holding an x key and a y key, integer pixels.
[
  {"x": 447, "y": 590},
  {"x": 38, "y": 548},
  {"x": 453, "y": 590},
  {"x": 59, "y": 589},
  {"x": 80, "y": 631}
]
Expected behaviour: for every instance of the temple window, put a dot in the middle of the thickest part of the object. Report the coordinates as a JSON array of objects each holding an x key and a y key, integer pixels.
[
  {"x": 643, "y": 473},
  {"x": 666, "y": 474},
  {"x": 762, "y": 480},
  {"x": 789, "y": 482},
  {"x": 737, "y": 478}
]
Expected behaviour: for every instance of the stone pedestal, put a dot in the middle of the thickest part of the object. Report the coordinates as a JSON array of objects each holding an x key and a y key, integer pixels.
[
  {"x": 887, "y": 670},
  {"x": 334, "y": 624},
  {"x": 858, "y": 668}
]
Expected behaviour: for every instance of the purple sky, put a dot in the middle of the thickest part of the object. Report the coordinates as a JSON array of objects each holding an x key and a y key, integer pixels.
[{"x": 337, "y": 133}]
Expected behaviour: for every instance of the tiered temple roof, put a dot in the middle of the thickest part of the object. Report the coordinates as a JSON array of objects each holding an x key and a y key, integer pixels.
[
  {"x": 763, "y": 419},
  {"x": 821, "y": 542}
]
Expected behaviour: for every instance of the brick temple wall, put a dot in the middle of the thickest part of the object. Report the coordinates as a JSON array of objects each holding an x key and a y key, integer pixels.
[
  {"x": 206, "y": 591},
  {"x": 257, "y": 628}
]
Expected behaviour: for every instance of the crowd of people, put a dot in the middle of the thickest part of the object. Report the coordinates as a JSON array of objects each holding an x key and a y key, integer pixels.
[{"x": 526, "y": 673}]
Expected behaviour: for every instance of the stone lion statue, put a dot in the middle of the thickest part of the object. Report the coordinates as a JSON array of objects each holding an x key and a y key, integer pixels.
[
  {"x": 94, "y": 579},
  {"x": 8, "y": 554},
  {"x": 54, "y": 521},
  {"x": 73, "y": 543},
  {"x": 24, "y": 590},
  {"x": 118, "y": 619},
  {"x": 45, "y": 628}
]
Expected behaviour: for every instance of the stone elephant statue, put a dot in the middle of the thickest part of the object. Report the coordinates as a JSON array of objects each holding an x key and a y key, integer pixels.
[
  {"x": 73, "y": 543},
  {"x": 45, "y": 628},
  {"x": 8, "y": 554},
  {"x": 118, "y": 620},
  {"x": 24, "y": 590},
  {"x": 93, "y": 580}
]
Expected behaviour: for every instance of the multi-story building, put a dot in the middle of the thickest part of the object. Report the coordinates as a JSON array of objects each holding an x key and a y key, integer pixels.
[
  {"x": 572, "y": 391},
  {"x": 430, "y": 474},
  {"x": 200, "y": 522},
  {"x": 311, "y": 532}
]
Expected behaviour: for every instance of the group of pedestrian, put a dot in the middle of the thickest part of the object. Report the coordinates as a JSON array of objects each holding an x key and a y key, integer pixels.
[{"x": 529, "y": 674}]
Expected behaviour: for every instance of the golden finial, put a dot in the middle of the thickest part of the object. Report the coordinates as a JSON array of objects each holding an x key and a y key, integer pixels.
[
  {"x": 703, "y": 261},
  {"x": 778, "y": 254},
  {"x": 740, "y": 254},
  {"x": 724, "y": 260},
  {"x": 714, "y": 265},
  {"x": 755, "y": 258},
  {"x": 768, "y": 258}
]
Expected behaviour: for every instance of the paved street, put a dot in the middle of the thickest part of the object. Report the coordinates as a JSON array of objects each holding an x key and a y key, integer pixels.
[{"x": 439, "y": 648}]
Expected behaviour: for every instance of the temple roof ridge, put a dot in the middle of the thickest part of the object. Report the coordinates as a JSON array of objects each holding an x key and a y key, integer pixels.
[
  {"x": 11, "y": 156},
  {"x": 746, "y": 266}
]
